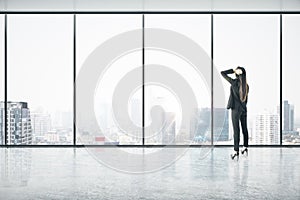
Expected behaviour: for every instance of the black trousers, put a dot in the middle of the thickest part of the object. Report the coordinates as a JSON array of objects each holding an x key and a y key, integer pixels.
[{"x": 238, "y": 116}]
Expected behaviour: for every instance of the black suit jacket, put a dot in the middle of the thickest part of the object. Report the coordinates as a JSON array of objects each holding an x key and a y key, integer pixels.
[{"x": 234, "y": 101}]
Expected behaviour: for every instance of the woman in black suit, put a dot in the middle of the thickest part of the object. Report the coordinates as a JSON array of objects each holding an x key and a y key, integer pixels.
[{"x": 238, "y": 104}]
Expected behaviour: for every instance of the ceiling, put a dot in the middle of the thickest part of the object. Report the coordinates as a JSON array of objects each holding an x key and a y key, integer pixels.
[{"x": 149, "y": 5}]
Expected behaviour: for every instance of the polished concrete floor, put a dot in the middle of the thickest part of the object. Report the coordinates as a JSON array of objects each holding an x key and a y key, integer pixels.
[{"x": 195, "y": 173}]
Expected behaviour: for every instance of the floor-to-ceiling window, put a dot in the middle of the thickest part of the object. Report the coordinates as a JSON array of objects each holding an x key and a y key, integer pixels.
[
  {"x": 291, "y": 64},
  {"x": 177, "y": 79},
  {"x": 109, "y": 64},
  {"x": 253, "y": 42},
  {"x": 40, "y": 75}
]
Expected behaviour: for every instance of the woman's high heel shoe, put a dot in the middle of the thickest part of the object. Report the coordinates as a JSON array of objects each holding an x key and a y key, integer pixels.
[
  {"x": 235, "y": 155},
  {"x": 245, "y": 150}
]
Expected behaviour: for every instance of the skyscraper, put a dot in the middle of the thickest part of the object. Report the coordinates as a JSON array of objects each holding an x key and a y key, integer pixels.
[
  {"x": 136, "y": 117},
  {"x": 18, "y": 123},
  {"x": 41, "y": 123},
  {"x": 288, "y": 117},
  {"x": 168, "y": 129},
  {"x": 266, "y": 128},
  {"x": 291, "y": 117},
  {"x": 288, "y": 131},
  {"x": 201, "y": 125},
  {"x": 221, "y": 124}
]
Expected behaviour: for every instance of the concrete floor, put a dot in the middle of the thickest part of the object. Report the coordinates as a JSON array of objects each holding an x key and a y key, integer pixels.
[{"x": 66, "y": 173}]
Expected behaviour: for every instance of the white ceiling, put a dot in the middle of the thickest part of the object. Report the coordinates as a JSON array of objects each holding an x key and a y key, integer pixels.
[{"x": 150, "y": 5}]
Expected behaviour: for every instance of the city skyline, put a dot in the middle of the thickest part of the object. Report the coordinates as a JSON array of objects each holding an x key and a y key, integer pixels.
[
  {"x": 26, "y": 127},
  {"x": 264, "y": 129}
]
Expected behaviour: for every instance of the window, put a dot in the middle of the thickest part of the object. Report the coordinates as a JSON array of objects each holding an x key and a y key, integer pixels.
[
  {"x": 40, "y": 72},
  {"x": 40, "y": 78},
  {"x": 173, "y": 77},
  {"x": 291, "y": 62},
  {"x": 109, "y": 51},
  {"x": 252, "y": 41}
]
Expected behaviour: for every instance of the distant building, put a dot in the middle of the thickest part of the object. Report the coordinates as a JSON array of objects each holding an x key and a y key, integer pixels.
[
  {"x": 221, "y": 124},
  {"x": 62, "y": 119},
  {"x": 201, "y": 125},
  {"x": 41, "y": 123},
  {"x": 52, "y": 137},
  {"x": 288, "y": 116},
  {"x": 18, "y": 123},
  {"x": 266, "y": 129},
  {"x": 136, "y": 117},
  {"x": 168, "y": 129},
  {"x": 163, "y": 128},
  {"x": 288, "y": 122}
]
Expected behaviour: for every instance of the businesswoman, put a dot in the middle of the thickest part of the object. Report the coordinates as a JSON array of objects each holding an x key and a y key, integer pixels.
[{"x": 238, "y": 104}]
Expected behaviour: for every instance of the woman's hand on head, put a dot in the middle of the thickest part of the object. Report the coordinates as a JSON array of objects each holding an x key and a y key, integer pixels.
[{"x": 238, "y": 71}]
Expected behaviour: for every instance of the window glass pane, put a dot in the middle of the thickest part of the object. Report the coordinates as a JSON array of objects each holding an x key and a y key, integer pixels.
[
  {"x": 40, "y": 80},
  {"x": 107, "y": 55},
  {"x": 252, "y": 41},
  {"x": 177, "y": 73},
  {"x": 291, "y": 62},
  {"x": 2, "y": 127}
]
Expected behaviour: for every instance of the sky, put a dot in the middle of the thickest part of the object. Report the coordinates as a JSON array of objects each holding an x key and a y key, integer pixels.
[
  {"x": 40, "y": 61},
  {"x": 291, "y": 61}
]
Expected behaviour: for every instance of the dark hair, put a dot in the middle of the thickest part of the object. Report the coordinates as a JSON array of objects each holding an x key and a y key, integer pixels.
[{"x": 243, "y": 84}]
